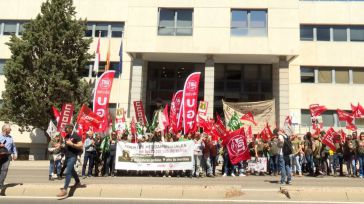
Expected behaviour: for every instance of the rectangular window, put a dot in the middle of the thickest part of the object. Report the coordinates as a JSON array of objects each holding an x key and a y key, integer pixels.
[
  {"x": 89, "y": 29},
  {"x": 306, "y": 33},
  {"x": 248, "y": 22},
  {"x": 339, "y": 33},
  {"x": 175, "y": 22},
  {"x": 324, "y": 76},
  {"x": 21, "y": 28},
  {"x": 305, "y": 118},
  {"x": 307, "y": 75},
  {"x": 102, "y": 28},
  {"x": 117, "y": 30},
  {"x": 323, "y": 33},
  {"x": 327, "y": 118},
  {"x": 2, "y": 65},
  {"x": 358, "y": 76},
  {"x": 357, "y": 34},
  {"x": 342, "y": 76},
  {"x": 10, "y": 28}
]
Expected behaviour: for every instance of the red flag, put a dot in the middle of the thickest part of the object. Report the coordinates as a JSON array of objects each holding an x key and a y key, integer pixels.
[
  {"x": 56, "y": 113},
  {"x": 358, "y": 111},
  {"x": 87, "y": 116},
  {"x": 328, "y": 139},
  {"x": 288, "y": 120},
  {"x": 237, "y": 146},
  {"x": 139, "y": 113},
  {"x": 344, "y": 116},
  {"x": 249, "y": 134},
  {"x": 190, "y": 94},
  {"x": 351, "y": 126},
  {"x": 166, "y": 121},
  {"x": 65, "y": 118},
  {"x": 102, "y": 96},
  {"x": 133, "y": 127},
  {"x": 107, "y": 66},
  {"x": 248, "y": 117},
  {"x": 317, "y": 110},
  {"x": 175, "y": 111}
]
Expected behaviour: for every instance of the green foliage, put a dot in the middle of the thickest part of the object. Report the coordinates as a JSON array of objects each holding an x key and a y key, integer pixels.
[{"x": 45, "y": 66}]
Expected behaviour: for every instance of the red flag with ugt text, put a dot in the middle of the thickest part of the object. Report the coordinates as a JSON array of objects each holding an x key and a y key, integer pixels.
[
  {"x": 139, "y": 113},
  {"x": 102, "y": 96},
  {"x": 317, "y": 110},
  {"x": 174, "y": 112},
  {"x": 65, "y": 118},
  {"x": 237, "y": 146},
  {"x": 248, "y": 117},
  {"x": 87, "y": 116},
  {"x": 328, "y": 139},
  {"x": 344, "y": 116},
  {"x": 190, "y": 94}
]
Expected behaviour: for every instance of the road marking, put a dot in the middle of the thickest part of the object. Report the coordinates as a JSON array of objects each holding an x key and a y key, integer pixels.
[{"x": 185, "y": 200}]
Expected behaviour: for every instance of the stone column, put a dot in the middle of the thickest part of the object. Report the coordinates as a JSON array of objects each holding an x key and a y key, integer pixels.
[
  {"x": 281, "y": 90},
  {"x": 209, "y": 85},
  {"x": 136, "y": 85}
]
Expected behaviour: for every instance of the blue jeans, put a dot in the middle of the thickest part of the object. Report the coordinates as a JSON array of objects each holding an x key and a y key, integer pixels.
[
  {"x": 361, "y": 164},
  {"x": 70, "y": 171},
  {"x": 285, "y": 166},
  {"x": 296, "y": 163},
  {"x": 351, "y": 165},
  {"x": 206, "y": 165},
  {"x": 89, "y": 156},
  {"x": 309, "y": 165},
  {"x": 338, "y": 161},
  {"x": 58, "y": 166},
  {"x": 196, "y": 165},
  {"x": 273, "y": 163}
]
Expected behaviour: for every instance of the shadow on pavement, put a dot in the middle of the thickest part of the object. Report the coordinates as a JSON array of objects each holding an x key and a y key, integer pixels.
[
  {"x": 9, "y": 185},
  {"x": 73, "y": 190}
]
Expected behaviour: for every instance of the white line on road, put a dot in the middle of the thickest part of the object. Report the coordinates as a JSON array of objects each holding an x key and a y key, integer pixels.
[{"x": 186, "y": 200}]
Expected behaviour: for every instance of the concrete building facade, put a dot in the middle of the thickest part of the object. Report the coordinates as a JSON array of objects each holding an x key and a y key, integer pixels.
[{"x": 296, "y": 52}]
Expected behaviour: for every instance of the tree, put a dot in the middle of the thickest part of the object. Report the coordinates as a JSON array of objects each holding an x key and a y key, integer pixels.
[{"x": 45, "y": 66}]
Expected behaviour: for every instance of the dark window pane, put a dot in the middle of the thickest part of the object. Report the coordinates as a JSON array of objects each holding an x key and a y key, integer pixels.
[
  {"x": 233, "y": 86},
  {"x": 184, "y": 18},
  {"x": 357, "y": 33},
  {"x": 266, "y": 87},
  {"x": 166, "y": 22},
  {"x": 239, "y": 19},
  {"x": 21, "y": 28},
  {"x": 306, "y": 33},
  {"x": 307, "y": 75},
  {"x": 358, "y": 76},
  {"x": 339, "y": 33},
  {"x": 117, "y": 30},
  {"x": 323, "y": 33},
  {"x": 102, "y": 28},
  {"x": 233, "y": 75},
  {"x": 2, "y": 65},
  {"x": 88, "y": 32},
  {"x": 251, "y": 87}
]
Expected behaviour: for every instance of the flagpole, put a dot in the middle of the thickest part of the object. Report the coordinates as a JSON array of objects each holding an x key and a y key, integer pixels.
[{"x": 120, "y": 65}]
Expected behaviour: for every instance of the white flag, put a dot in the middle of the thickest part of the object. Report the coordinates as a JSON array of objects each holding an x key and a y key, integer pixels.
[{"x": 51, "y": 128}]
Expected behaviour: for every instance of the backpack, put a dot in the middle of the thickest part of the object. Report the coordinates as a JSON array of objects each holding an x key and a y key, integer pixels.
[{"x": 287, "y": 148}]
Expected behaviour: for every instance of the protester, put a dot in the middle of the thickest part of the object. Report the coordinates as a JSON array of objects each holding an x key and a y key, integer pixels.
[
  {"x": 360, "y": 142},
  {"x": 8, "y": 152},
  {"x": 308, "y": 150},
  {"x": 297, "y": 145},
  {"x": 73, "y": 147},
  {"x": 89, "y": 155},
  {"x": 55, "y": 155},
  {"x": 338, "y": 156},
  {"x": 317, "y": 153},
  {"x": 206, "y": 162},
  {"x": 273, "y": 155},
  {"x": 285, "y": 150},
  {"x": 197, "y": 156},
  {"x": 110, "y": 156},
  {"x": 98, "y": 156}
]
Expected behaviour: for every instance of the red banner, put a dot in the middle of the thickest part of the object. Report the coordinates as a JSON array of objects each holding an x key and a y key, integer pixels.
[
  {"x": 175, "y": 111},
  {"x": 317, "y": 110},
  {"x": 87, "y": 116},
  {"x": 351, "y": 126},
  {"x": 102, "y": 96},
  {"x": 249, "y": 117},
  {"x": 342, "y": 134},
  {"x": 65, "y": 117},
  {"x": 139, "y": 113},
  {"x": 345, "y": 116},
  {"x": 328, "y": 139},
  {"x": 190, "y": 94},
  {"x": 237, "y": 146},
  {"x": 133, "y": 127},
  {"x": 202, "y": 112}
]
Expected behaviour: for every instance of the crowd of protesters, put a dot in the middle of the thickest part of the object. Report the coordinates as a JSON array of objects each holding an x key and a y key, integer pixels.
[{"x": 286, "y": 155}]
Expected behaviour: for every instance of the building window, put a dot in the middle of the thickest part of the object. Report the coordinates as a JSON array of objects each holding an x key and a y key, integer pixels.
[
  {"x": 324, "y": 75},
  {"x": 306, "y": 33},
  {"x": 323, "y": 33},
  {"x": 357, "y": 34},
  {"x": 328, "y": 118},
  {"x": 175, "y": 22},
  {"x": 2, "y": 65},
  {"x": 342, "y": 76},
  {"x": 358, "y": 76},
  {"x": 105, "y": 29},
  {"x": 21, "y": 28},
  {"x": 10, "y": 27},
  {"x": 339, "y": 33},
  {"x": 307, "y": 75},
  {"x": 248, "y": 22}
]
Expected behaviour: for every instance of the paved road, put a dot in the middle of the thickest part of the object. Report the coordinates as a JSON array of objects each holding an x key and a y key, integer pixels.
[{"x": 29, "y": 175}]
